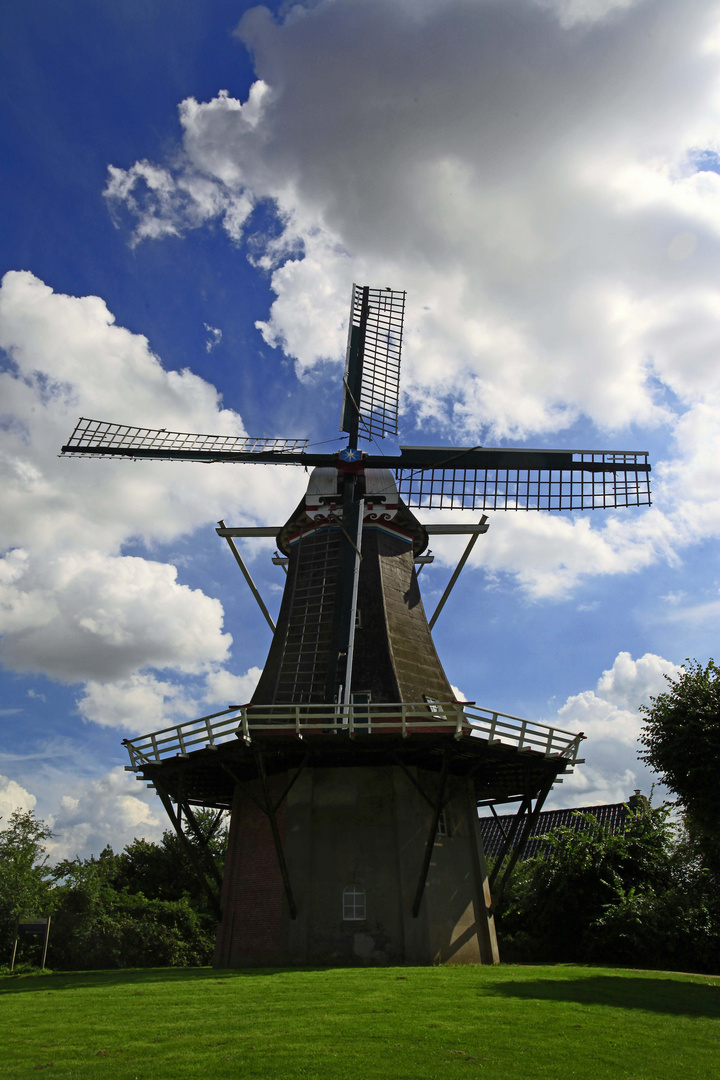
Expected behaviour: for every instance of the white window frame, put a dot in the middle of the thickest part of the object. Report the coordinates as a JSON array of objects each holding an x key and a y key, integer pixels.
[{"x": 354, "y": 906}]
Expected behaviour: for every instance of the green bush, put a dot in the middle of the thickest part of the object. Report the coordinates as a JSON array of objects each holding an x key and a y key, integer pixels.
[{"x": 638, "y": 898}]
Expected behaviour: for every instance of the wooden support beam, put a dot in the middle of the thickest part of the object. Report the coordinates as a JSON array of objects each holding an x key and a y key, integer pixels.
[
  {"x": 295, "y": 775},
  {"x": 482, "y": 527},
  {"x": 191, "y": 852},
  {"x": 520, "y": 846},
  {"x": 431, "y": 838},
  {"x": 275, "y": 833},
  {"x": 224, "y": 765},
  {"x": 510, "y": 837},
  {"x": 246, "y": 574},
  {"x": 203, "y": 842},
  {"x": 413, "y": 781},
  {"x": 499, "y": 823}
]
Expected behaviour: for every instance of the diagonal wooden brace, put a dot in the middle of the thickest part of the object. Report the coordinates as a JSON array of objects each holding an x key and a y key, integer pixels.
[
  {"x": 201, "y": 863},
  {"x": 437, "y": 810},
  {"x": 270, "y": 811},
  {"x": 520, "y": 846}
]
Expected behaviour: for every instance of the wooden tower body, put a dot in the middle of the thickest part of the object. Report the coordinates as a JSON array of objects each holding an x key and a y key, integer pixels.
[{"x": 354, "y": 826}]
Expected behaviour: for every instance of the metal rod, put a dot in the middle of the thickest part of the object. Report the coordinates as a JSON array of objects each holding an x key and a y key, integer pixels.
[
  {"x": 353, "y": 604},
  {"x": 246, "y": 575},
  {"x": 458, "y": 570},
  {"x": 45, "y": 946}
]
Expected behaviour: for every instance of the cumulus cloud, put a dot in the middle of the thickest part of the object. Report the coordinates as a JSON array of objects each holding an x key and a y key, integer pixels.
[
  {"x": 13, "y": 797},
  {"x": 223, "y": 687},
  {"x": 69, "y": 358},
  {"x": 139, "y": 703},
  {"x": 71, "y": 605},
  {"x": 543, "y": 178},
  {"x": 94, "y": 616},
  {"x": 143, "y": 702},
  {"x": 112, "y": 810},
  {"x": 610, "y": 719}
]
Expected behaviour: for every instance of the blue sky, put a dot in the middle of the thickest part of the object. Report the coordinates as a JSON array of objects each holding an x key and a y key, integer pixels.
[{"x": 188, "y": 192}]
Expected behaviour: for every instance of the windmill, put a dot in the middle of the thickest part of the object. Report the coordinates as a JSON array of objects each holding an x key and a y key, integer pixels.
[{"x": 353, "y": 776}]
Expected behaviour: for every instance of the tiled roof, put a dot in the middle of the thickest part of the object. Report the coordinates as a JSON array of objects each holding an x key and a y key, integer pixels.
[{"x": 612, "y": 816}]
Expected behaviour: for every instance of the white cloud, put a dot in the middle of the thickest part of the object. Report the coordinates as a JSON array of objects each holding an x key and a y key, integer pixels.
[
  {"x": 214, "y": 339},
  {"x": 100, "y": 617},
  {"x": 630, "y": 683},
  {"x": 610, "y": 719},
  {"x": 112, "y": 810},
  {"x": 71, "y": 605},
  {"x": 581, "y": 12},
  {"x": 221, "y": 687},
  {"x": 13, "y": 797},
  {"x": 140, "y": 703},
  {"x": 539, "y": 177},
  {"x": 70, "y": 359}
]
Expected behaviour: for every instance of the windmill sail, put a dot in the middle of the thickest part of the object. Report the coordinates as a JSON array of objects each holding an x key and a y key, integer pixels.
[
  {"x": 428, "y": 477},
  {"x": 371, "y": 385},
  {"x": 524, "y": 480},
  {"x": 92, "y": 437}
]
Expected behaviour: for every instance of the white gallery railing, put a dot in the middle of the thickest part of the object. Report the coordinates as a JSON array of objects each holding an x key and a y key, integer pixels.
[{"x": 457, "y": 718}]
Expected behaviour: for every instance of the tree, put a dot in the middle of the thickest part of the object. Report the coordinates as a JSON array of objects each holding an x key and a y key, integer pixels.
[
  {"x": 100, "y": 925},
  {"x": 142, "y": 907},
  {"x": 682, "y": 740},
  {"x": 24, "y": 877},
  {"x": 164, "y": 872}
]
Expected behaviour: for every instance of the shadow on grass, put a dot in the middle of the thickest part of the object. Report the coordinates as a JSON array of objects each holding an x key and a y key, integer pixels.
[
  {"x": 77, "y": 980},
  {"x": 621, "y": 992}
]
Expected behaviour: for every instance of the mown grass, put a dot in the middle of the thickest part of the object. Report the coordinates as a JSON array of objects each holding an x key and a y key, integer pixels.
[{"x": 510, "y": 1023}]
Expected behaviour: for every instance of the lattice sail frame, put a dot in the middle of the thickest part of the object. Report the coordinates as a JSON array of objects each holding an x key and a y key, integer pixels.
[
  {"x": 123, "y": 439},
  {"x": 379, "y": 398},
  {"x": 591, "y": 486}
]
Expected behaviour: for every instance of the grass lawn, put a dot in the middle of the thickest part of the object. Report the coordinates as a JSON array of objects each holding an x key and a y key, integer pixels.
[{"x": 508, "y": 1023}]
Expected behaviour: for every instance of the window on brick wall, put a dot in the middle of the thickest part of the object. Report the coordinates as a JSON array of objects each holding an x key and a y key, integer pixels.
[{"x": 353, "y": 903}]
